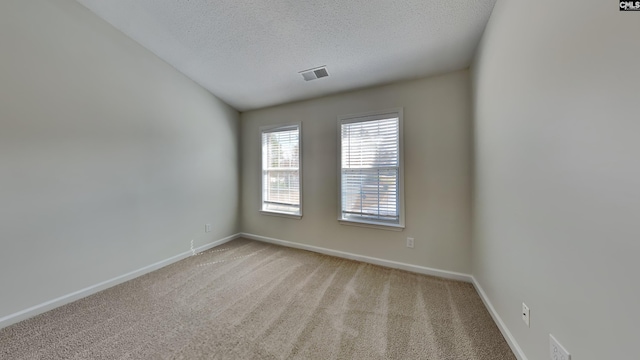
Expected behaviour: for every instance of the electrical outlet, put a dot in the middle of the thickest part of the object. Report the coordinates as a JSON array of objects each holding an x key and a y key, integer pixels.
[
  {"x": 525, "y": 314},
  {"x": 410, "y": 242},
  {"x": 207, "y": 228},
  {"x": 558, "y": 352}
]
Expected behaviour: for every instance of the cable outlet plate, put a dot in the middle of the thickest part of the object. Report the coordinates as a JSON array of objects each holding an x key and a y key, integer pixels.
[
  {"x": 526, "y": 314},
  {"x": 558, "y": 352}
]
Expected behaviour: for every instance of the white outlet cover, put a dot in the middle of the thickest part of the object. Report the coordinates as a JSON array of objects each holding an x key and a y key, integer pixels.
[
  {"x": 207, "y": 228},
  {"x": 526, "y": 315},
  {"x": 410, "y": 242},
  {"x": 557, "y": 351}
]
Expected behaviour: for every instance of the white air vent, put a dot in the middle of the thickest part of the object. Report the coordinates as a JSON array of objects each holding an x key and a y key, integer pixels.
[{"x": 315, "y": 73}]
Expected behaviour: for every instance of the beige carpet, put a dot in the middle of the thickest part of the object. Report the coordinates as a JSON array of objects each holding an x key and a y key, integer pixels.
[{"x": 250, "y": 300}]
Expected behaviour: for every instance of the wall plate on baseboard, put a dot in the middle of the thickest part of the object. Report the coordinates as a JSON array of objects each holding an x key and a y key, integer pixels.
[{"x": 557, "y": 351}]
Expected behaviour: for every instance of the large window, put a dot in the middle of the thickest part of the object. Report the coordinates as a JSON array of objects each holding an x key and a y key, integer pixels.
[
  {"x": 371, "y": 170},
  {"x": 281, "y": 170}
]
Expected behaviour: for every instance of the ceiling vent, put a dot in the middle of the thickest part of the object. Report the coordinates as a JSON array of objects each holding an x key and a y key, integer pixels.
[{"x": 315, "y": 73}]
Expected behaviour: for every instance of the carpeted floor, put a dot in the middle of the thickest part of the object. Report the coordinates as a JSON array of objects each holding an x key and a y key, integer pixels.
[{"x": 250, "y": 300}]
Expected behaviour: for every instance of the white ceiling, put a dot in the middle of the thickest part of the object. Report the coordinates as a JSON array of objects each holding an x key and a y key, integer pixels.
[{"x": 249, "y": 52}]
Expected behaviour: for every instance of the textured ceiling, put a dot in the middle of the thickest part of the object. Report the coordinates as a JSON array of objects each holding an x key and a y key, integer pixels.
[{"x": 249, "y": 52}]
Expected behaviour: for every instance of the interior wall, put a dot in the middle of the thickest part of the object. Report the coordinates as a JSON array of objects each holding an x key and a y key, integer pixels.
[
  {"x": 557, "y": 200},
  {"x": 437, "y": 150},
  {"x": 110, "y": 159}
]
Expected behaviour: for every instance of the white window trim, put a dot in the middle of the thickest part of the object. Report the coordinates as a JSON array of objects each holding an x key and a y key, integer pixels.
[
  {"x": 270, "y": 128},
  {"x": 368, "y": 116}
]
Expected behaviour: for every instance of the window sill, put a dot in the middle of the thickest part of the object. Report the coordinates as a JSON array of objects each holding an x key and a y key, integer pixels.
[
  {"x": 285, "y": 215},
  {"x": 372, "y": 225}
]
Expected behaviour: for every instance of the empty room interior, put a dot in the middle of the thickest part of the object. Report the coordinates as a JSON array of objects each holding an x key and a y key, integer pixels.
[{"x": 341, "y": 179}]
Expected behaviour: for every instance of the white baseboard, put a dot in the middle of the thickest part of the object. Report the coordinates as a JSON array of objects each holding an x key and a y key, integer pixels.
[
  {"x": 371, "y": 260},
  {"x": 517, "y": 351},
  {"x": 65, "y": 299}
]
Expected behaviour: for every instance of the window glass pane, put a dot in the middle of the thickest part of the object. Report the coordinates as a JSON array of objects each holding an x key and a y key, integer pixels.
[
  {"x": 282, "y": 149},
  {"x": 370, "y": 152},
  {"x": 370, "y": 194},
  {"x": 370, "y": 144},
  {"x": 280, "y": 170},
  {"x": 282, "y": 187}
]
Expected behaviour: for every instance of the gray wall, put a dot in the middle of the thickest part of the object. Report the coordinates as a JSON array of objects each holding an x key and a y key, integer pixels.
[
  {"x": 110, "y": 160},
  {"x": 437, "y": 150},
  {"x": 557, "y": 195}
]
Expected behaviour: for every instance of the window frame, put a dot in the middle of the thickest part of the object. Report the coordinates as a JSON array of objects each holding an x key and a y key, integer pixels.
[
  {"x": 276, "y": 128},
  {"x": 371, "y": 116}
]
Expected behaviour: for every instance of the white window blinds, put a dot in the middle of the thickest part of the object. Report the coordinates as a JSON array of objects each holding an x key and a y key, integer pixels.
[
  {"x": 370, "y": 170},
  {"x": 281, "y": 170}
]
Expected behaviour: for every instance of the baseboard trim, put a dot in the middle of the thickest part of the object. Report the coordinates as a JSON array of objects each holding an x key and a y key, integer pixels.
[
  {"x": 513, "y": 344},
  {"x": 371, "y": 260},
  {"x": 76, "y": 295}
]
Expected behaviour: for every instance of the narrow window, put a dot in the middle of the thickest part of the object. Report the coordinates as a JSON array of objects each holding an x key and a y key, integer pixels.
[
  {"x": 281, "y": 170},
  {"x": 371, "y": 169}
]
